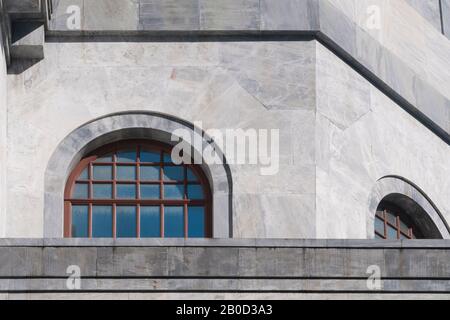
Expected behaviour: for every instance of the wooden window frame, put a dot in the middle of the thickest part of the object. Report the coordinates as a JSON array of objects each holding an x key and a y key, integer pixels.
[
  {"x": 137, "y": 145},
  {"x": 383, "y": 216}
]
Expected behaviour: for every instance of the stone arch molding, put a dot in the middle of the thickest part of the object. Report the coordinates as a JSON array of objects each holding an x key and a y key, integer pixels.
[
  {"x": 390, "y": 186},
  {"x": 121, "y": 126}
]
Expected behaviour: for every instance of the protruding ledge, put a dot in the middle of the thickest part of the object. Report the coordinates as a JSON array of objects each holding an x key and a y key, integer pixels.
[
  {"x": 27, "y": 40},
  {"x": 22, "y": 23}
]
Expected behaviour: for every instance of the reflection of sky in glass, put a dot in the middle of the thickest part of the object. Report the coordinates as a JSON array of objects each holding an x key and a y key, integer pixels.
[
  {"x": 174, "y": 191},
  {"x": 149, "y": 173},
  {"x": 174, "y": 173},
  {"x": 190, "y": 175},
  {"x": 126, "y": 156},
  {"x": 167, "y": 158},
  {"x": 102, "y": 172},
  {"x": 150, "y": 222},
  {"x": 195, "y": 192},
  {"x": 80, "y": 221},
  {"x": 102, "y": 221},
  {"x": 150, "y": 156},
  {"x": 391, "y": 233},
  {"x": 126, "y": 173},
  {"x": 150, "y": 191},
  {"x": 102, "y": 191},
  {"x": 379, "y": 226},
  {"x": 80, "y": 191},
  {"x": 173, "y": 222},
  {"x": 126, "y": 221},
  {"x": 126, "y": 191},
  {"x": 84, "y": 175},
  {"x": 196, "y": 222}
]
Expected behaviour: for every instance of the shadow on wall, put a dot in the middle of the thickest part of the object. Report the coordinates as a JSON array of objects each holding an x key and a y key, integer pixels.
[
  {"x": 19, "y": 66},
  {"x": 27, "y": 45}
]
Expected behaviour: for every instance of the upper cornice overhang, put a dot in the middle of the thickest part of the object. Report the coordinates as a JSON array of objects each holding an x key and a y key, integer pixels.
[
  {"x": 281, "y": 20},
  {"x": 21, "y": 11}
]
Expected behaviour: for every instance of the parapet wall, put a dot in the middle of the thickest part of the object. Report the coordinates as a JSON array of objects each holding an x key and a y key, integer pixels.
[{"x": 277, "y": 268}]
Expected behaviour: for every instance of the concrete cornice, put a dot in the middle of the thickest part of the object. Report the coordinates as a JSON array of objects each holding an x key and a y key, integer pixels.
[{"x": 228, "y": 243}]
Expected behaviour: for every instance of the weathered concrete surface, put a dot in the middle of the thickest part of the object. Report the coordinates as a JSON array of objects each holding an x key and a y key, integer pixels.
[
  {"x": 213, "y": 267},
  {"x": 220, "y": 296}
]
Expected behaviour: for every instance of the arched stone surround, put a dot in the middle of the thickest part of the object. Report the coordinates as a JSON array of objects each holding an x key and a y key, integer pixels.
[
  {"x": 394, "y": 187},
  {"x": 121, "y": 126}
]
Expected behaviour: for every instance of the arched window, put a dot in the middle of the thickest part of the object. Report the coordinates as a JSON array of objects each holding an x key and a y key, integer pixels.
[
  {"x": 391, "y": 222},
  {"x": 132, "y": 189}
]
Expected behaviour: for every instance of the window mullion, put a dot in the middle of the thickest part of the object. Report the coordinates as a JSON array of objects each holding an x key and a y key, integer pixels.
[
  {"x": 138, "y": 192},
  {"x": 161, "y": 192}
]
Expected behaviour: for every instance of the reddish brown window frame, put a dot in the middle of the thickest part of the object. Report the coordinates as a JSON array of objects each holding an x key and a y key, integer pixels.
[
  {"x": 87, "y": 162},
  {"x": 383, "y": 216}
]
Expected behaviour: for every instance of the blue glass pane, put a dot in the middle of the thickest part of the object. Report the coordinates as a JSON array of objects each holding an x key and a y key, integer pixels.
[
  {"x": 102, "y": 172},
  {"x": 167, "y": 158},
  {"x": 102, "y": 221},
  {"x": 84, "y": 175},
  {"x": 80, "y": 191},
  {"x": 105, "y": 158},
  {"x": 150, "y": 191},
  {"x": 80, "y": 219},
  {"x": 195, "y": 191},
  {"x": 173, "y": 222},
  {"x": 379, "y": 226},
  {"x": 391, "y": 233},
  {"x": 102, "y": 191},
  {"x": 191, "y": 175},
  {"x": 150, "y": 222},
  {"x": 174, "y": 173},
  {"x": 149, "y": 173},
  {"x": 126, "y": 191},
  {"x": 174, "y": 191},
  {"x": 126, "y": 222},
  {"x": 150, "y": 156},
  {"x": 126, "y": 173},
  {"x": 126, "y": 156},
  {"x": 196, "y": 222}
]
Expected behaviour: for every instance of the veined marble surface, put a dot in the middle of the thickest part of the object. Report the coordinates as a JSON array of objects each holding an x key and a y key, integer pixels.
[
  {"x": 338, "y": 134},
  {"x": 362, "y": 136}
]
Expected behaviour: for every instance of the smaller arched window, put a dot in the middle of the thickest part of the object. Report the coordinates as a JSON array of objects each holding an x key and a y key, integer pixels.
[
  {"x": 132, "y": 189},
  {"x": 391, "y": 222}
]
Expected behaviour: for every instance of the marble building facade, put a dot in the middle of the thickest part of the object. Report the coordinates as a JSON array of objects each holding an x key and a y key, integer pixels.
[{"x": 358, "y": 89}]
